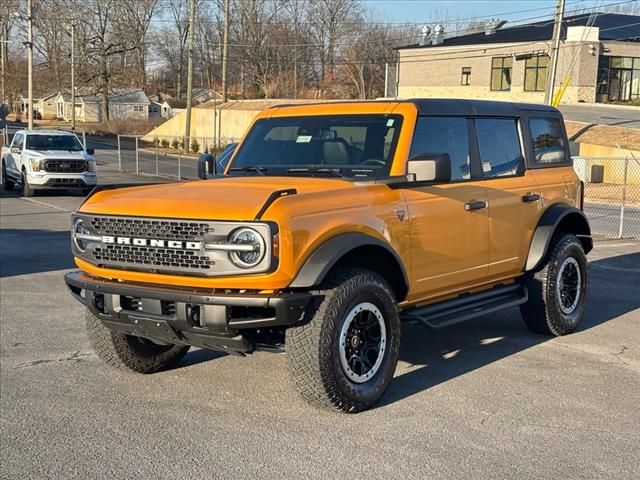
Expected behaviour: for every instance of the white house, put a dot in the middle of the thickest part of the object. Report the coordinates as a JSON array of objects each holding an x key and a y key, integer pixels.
[{"x": 124, "y": 104}]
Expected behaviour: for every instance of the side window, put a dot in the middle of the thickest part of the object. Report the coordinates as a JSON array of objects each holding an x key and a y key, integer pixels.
[
  {"x": 548, "y": 141},
  {"x": 444, "y": 135},
  {"x": 499, "y": 146},
  {"x": 18, "y": 141}
]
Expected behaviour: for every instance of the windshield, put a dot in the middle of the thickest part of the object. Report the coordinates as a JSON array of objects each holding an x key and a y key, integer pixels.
[
  {"x": 328, "y": 145},
  {"x": 54, "y": 142}
]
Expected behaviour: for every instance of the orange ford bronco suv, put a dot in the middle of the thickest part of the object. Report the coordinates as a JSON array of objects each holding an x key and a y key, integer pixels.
[{"x": 332, "y": 223}]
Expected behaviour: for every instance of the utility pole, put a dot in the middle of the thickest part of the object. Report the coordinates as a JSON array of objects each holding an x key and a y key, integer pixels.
[
  {"x": 551, "y": 75},
  {"x": 187, "y": 124},
  {"x": 30, "y": 62},
  {"x": 225, "y": 51},
  {"x": 73, "y": 75},
  {"x": 3, "y": 46}
]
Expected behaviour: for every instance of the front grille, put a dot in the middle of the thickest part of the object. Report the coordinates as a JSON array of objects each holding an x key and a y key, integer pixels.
[
  {"x": 153, "y": 257},
  {"x": 65, "y": 166},
  {"x": 166, "y": 245},
  {"x": 161, "y": 229}
]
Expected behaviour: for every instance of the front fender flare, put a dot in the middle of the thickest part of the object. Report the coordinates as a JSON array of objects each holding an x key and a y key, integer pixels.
[{"x": 323, "y": 258}]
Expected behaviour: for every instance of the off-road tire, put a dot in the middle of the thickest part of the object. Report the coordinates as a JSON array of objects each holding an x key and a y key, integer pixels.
[
  {"x": 7, "y": 184},
  {"x": 313, "y": 346},
  {"x": 128, "y": 352},
  {"x": 27, "y": 191},
  {"x": 542, "y": 313}
]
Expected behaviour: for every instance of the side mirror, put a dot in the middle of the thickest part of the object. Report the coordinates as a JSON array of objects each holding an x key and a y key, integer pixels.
[
  {"x": 430, "y": 167},
  {"x": 206, "y": 166},
  {"x": 91, "y": 151},
  {"x": 15, "y": 150}
]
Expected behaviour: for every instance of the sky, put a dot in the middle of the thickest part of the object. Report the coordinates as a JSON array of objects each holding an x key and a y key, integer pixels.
[{"x": 418, "y": 11}]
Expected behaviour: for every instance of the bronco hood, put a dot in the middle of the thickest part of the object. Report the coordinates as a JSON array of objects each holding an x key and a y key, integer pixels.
[{"x": 227, "y": 198}]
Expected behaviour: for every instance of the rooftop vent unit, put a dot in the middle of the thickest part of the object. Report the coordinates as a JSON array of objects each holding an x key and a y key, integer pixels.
[
  {"x": 424, "y": 35},
  {"x": 438, "y": 35},
  {"x": 493, "y": 24}
]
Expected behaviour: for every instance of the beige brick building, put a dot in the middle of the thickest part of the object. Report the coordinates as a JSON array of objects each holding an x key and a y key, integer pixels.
[{"x": 599, "y": 57}]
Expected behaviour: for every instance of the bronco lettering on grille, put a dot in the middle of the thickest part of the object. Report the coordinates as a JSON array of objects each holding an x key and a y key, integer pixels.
[{"x": 151, "y": 242}]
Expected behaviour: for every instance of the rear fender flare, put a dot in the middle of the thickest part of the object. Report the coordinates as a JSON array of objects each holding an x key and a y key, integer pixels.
[{"x": 557, "y": 218}]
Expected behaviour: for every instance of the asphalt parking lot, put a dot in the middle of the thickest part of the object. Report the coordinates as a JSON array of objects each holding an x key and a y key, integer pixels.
[{"x": 485, "y": 399}]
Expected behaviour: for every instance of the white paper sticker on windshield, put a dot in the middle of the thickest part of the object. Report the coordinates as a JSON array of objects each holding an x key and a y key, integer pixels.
[
  {"x": 303, "y": 139},
  {"x": 390, "y": 122}
]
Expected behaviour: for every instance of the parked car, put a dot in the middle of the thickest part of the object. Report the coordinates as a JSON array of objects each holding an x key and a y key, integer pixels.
[
  {"x": 331, "y": 226},
  {"x": 47, "y": 159}
]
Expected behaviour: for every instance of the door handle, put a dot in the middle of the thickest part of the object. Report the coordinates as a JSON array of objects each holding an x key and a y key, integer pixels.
[
  {"x": 530, "y": 197},
  {"x": 469, "y": 206}
]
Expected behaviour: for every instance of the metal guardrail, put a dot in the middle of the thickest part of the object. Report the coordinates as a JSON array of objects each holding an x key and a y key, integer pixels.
[{"x": 611, "y": 194}]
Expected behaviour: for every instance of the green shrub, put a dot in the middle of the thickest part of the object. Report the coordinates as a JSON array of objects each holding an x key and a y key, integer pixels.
[
  {"x": 195, "y": 146},
  {"x": 175, "y": 143},
  {"x": 164, "y": 143}
]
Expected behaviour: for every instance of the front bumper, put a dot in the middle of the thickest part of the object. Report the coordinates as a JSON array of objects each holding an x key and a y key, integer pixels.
[
  {"x": 222, "y": 321},
  {"x": 62, "y": 180}
]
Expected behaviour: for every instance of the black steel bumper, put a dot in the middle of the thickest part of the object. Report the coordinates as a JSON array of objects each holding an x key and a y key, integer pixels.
[{"x": 186, "y": 316}]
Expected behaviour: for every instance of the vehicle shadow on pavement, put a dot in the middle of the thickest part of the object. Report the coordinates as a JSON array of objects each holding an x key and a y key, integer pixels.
[
  {"x": 199, "y": 355},
  {"x": 34, "y": 251},
  {"x": 436, "y": 356}
]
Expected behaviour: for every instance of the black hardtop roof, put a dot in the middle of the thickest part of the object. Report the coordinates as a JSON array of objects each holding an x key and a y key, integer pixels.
[{"x": 450, "y": 106}]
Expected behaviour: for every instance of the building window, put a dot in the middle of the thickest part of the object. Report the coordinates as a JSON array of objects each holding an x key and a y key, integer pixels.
[
  {"x": 619, "y": 78},
  {"x": 501, "y": 73},
  {"x": 465, "y": 78},
  {"x": 499, "y": 146},
  {"x": 535, "y": 73},
  {"x": 138, "y": 108}
]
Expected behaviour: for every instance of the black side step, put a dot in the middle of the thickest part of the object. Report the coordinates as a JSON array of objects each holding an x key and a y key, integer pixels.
[{"x": 468, "y": 306}]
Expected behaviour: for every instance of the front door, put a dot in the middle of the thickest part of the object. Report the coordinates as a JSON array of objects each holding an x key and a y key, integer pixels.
[
  {"x": 449, "y": 224},
  {"x": 12, "y": 157}
]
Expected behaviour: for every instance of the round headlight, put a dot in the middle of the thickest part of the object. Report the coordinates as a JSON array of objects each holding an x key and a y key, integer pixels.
[
  {"x": 247, "y": 258},
  {"x": 79, "y": 228}
]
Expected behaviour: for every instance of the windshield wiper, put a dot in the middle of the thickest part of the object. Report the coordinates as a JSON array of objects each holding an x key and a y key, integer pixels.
[
  {"x": 336, "y": 172},
  {"x": 250, "y": 168}
]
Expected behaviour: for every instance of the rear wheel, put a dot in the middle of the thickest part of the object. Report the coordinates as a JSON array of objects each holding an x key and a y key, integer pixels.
[
  {"x": 129, "y": 352},
  {"x": 27, "y": 190},
  {"x": 344, "y": 354},
  {"x": 7, "y": 184},
  {"x": 558, "y": 291}
]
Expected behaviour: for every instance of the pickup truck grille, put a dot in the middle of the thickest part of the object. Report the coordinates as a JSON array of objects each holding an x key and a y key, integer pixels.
[
  {"x": 65, "y": 166},
  {"x": 163, "y": 229}
]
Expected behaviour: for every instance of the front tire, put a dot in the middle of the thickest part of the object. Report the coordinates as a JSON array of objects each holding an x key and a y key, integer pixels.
[
  {"x": 129, "y": 352},
  {"x": 27, "y": 191},
  {"x": 558, "y": 291},
  {"x": 344, "y": 354},
  {"x": 7, "y": 184}
]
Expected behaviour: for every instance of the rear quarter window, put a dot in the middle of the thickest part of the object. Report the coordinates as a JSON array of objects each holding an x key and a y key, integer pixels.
[{"x": 549, "y": 144}]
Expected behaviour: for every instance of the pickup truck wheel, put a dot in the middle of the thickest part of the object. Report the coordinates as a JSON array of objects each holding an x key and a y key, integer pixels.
[
  {"x": 6, "y": 183},
  {"x": 27, "y": 191},
  {"x": 130, "y": 352},
  {"x": 344, "y": 353},
  {"x": 557, "y": 292}
]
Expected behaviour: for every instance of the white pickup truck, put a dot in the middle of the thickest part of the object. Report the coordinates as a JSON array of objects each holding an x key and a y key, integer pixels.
[{"x": 47, "y": 159}]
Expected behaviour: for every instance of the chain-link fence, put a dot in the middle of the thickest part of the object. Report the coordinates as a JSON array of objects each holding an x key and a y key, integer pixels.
[
  {"x": 165, "y": 155},
  {"x": 611, "y": 194}
]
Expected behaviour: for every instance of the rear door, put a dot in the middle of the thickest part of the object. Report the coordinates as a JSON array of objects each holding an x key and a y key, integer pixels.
[
  {"x": 512, "y": 191},
  {"x": 449, "y": 222}
]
